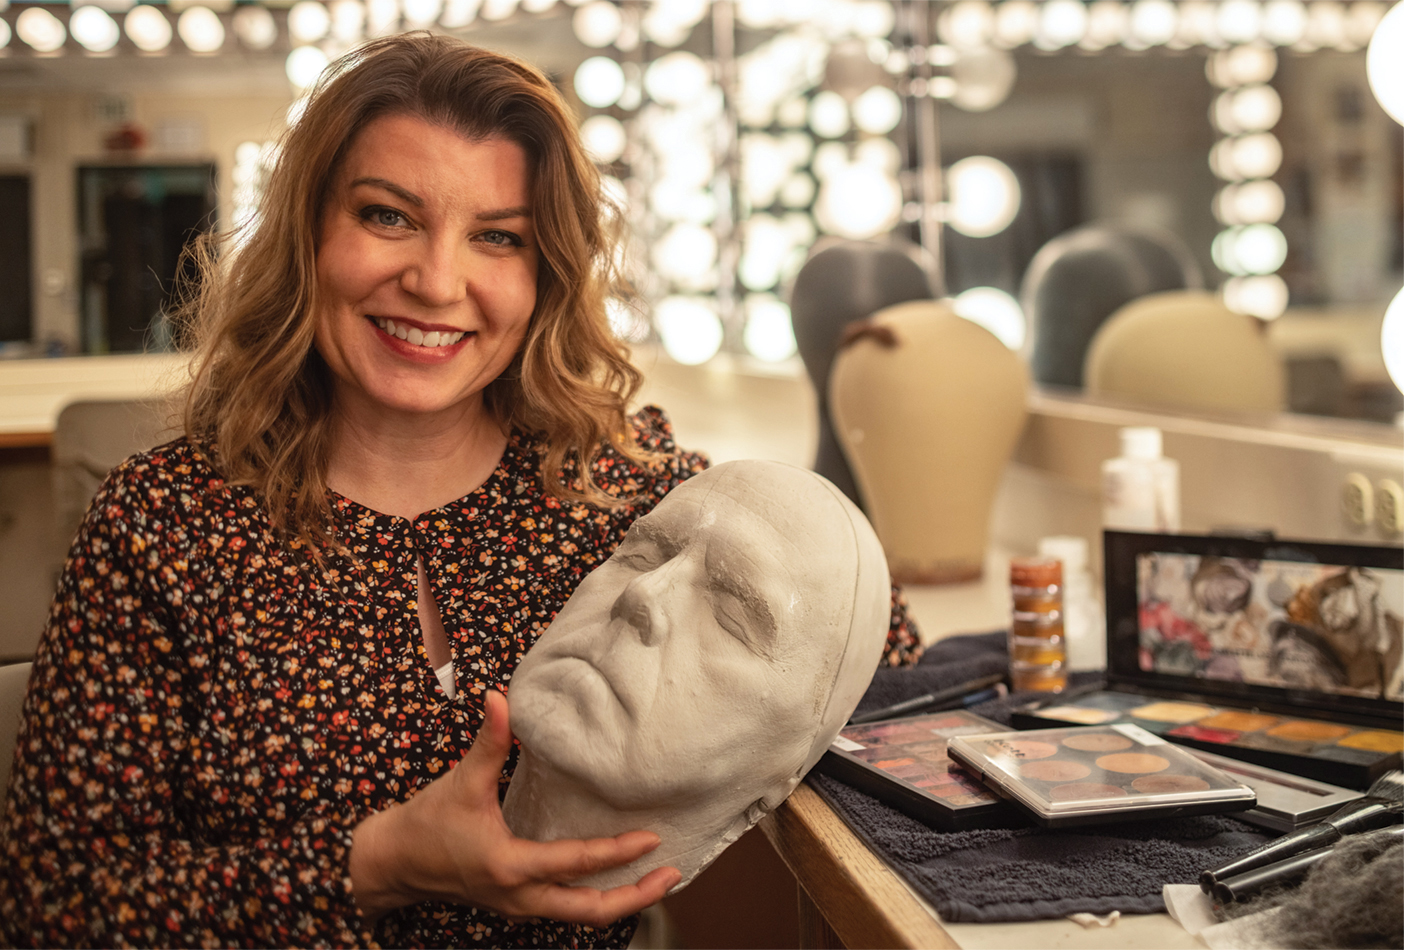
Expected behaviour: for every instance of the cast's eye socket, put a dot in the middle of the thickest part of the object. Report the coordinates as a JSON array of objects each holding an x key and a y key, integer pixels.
[
  {"x": 639, "y": 554},
  {"x": 733, "y": 616}
]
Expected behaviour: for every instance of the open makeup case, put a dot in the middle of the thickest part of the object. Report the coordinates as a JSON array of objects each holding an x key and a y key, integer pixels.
[{"x": 1283, "y": 654}]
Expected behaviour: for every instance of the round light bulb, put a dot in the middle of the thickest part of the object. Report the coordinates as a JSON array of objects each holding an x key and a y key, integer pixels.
[
  {"x": 685, "y": 253},
  {"x": 598, "y": 23},
  {"x": 348, "y": 20},
  {"x": 4, "y": 33},
  {"x": 677, "y": 79},
  {"x": 769, "y": 334},
  {"x": 1153, "y": 22},
  {"x": 1016, "y": 22},
  {"x": 1284, "y": 21},
  {"x": 1060, "y": 23},
  {"x": 996, "y": 311},
  {"x": 882, "y": 154},
  {"x": 308, "y": 21},
  {"x": 1239, "y": 21},
  {"x": 41, "y": 29},
  {"x": 1326, "y": 25},
  {"x": 304, "y": 66},
  {"x": 966, "y": 24},
  {"x": 599, "y": 82},
  {"x": 873, "y": 19},
  {"x": 604, "y": 138},
  {"x": 255, "y": 27},
  {"x": 1264, "y": 296},
  {"x": 420, "y": 14},
  {"x": 94, "y": 29},
  {"x": 1256, "y": 108},
  {"x": 798, "y": 191},
  {"x": 858, "y": 202},
  {"x": 1392, "y": 340},
  {"x": 982, "y": 79},
  {"x": 148, "y": 28},
  {"x": 1250, "y": 249},
  {"x": 1108, "y": 22},
  {"x": 828, "y": 115},
  {"x": 1255, "y": 156},
  {"x": 877, "y": 111},
  {"x": 200, "y": 29},
  {"x": 1384, "y": 63},
  {"x": 1250, "y": 202},
  {"x": 690, "y": 329},
  {"x": 983, "y": 195}
]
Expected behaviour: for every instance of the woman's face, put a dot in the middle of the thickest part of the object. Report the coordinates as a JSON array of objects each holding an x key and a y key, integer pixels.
[{"x": 426, "y": 268}]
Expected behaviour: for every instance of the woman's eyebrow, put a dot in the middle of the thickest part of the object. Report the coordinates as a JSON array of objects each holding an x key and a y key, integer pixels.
[
  {"x": 394, "y": 189},
  {"x": 502, "y": 214}
]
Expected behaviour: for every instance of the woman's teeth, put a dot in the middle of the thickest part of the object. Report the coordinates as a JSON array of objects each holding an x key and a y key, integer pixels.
[{"x": 417, "y": 336}]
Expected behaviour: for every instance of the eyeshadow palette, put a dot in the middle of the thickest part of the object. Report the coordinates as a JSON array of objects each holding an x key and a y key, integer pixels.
[
  {"x": 1092, "y": 774},
  {"x": 1285, "y": 802},
  {"x": 1285, "y": 654},
  {"x": 904, "y": 763}
]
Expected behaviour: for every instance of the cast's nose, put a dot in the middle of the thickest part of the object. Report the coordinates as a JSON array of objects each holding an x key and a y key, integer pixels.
[{"x": 641, "y": 605}]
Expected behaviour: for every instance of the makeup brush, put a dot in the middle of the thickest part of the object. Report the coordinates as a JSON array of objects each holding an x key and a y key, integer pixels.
[
  {"x": 1382, "y": 805},
  {"x": 1241, "y": 887}
]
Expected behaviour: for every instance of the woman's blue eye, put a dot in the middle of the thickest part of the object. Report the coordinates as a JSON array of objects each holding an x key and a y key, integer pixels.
[
  {"x": 385, "y": 217},
  {"x": 502, "y": 239}
]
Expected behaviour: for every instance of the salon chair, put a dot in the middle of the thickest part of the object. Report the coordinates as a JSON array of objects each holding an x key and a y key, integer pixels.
[
  {"x": 13, "y": 681},
  {"x": 841, "y": 283},
  {"x": 1185, "y": 350},
  {"x": 1080, "y": 278},
  {"x": 90, "y": 439}
]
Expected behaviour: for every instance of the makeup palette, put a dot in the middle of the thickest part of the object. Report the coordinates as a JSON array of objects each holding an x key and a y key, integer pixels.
[
  {"x": 1284, "y": 654},
  {"x": 904, "y": 763},
  {"x": 1092, "y": 774},
  {"x": 1285, "y": 802}
]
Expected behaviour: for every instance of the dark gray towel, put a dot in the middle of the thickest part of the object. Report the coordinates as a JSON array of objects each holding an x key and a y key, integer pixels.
[{"x": 1025, "y": 872}]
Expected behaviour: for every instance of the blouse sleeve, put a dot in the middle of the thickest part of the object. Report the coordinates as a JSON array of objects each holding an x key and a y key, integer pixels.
[{"x": 96, "y": 849}]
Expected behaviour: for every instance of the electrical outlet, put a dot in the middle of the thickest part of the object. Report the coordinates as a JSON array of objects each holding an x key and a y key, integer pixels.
[
  {"x": 1389, "y": 506},
  {"x": 1358, "y": 499}
]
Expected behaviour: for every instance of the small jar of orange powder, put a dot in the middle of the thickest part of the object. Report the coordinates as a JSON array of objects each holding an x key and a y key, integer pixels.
[{"x": 1037, "y": 650}]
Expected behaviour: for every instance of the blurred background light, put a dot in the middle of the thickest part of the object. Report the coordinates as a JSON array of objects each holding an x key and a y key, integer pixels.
[
  {"x": 858, "y": 201},
  {"x": 625, "y": 322},
  {"x": 422, "y": 14},
  {"x": 996, "y": 311},
  {"x": 597, "y": 23},
  {"x": 94, "y": 29},
  {"x": 200, "y": 29},
  {"x": 1284, "y": 21},
  {"x": 304, "y": 65},
  {"x": 1250, "y": 202},
  {"x": 967, "y": 24},
  {"x": 983, "y": 196},
  {"x": 599, "y": 82},
  {"x": 1108, "y": 23},
  {"x": 769, "y": 334},
  {"x": 255, "y": 27},
  {"x": 1263, "y": 296},
  {"x": 1250, "y": 249},
  {"x": 981, "y": 79},
  {"x": 308, "y": 21},
  {"x": 689, "y": 327},
  {"x": 148, "y": 28},
  {"x": 686, "y": 254},
  {"x": 1392, "y": 340},
  {"x": 828, "y": 115},
  {"x": 1016, "y": 22},
  {"x": 1239, "y": 21},
  {"x": 604, "y": 138},
  {"x": 1153, "y": 22},
  {"x": 877, "y": 111},
  {"x": 1060, "y": 23},
  {"x": 677, "y": 79},
  {"x": 42, "y": 30},
  {"x": 1384, "y": 63}
]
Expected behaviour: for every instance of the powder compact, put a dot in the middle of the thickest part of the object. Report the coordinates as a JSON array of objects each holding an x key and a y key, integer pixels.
[
  {"x": 1285, "y": 802},
  {"x": 1284, "y": 654},
  {"x": 904, "y": 763},
  {"x": 1093, "y": 774}
]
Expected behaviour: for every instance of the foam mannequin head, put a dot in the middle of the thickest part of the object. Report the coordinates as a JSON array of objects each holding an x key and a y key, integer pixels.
[{"x": 692, "y": 679}]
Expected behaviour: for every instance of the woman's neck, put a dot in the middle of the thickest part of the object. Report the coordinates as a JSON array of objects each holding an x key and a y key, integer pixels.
[{"x": 406, "y": 464}]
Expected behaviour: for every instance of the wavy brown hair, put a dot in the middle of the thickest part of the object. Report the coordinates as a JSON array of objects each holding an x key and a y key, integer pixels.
[{"x": 260, "y": 396}]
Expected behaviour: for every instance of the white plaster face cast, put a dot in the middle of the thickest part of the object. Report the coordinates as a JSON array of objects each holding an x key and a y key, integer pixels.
[{"x": 693, "y": 678}]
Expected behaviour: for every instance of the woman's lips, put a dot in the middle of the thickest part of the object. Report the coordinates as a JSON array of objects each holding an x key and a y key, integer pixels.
[{"x": 417, "y": 335}]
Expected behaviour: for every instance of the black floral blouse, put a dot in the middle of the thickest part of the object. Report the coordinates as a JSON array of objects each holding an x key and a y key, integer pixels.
[{"x": 208, "y": 718}]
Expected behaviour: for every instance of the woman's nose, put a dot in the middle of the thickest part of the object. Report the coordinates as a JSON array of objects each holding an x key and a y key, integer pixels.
[{"x": 438, "y": 276}]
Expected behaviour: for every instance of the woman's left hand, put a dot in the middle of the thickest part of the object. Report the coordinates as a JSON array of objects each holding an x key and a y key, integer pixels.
[{"x": 449, "y": 842}]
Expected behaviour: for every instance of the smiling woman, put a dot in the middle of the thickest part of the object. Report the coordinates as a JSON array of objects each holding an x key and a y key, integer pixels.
[{"x": 268, "y": 708}]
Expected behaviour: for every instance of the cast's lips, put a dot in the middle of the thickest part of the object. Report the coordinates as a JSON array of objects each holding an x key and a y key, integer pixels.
[{"x": 429, "y": 339}]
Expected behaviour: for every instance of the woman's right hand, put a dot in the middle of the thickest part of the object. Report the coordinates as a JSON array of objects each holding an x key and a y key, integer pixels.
[{"x": 450, "y": 843}]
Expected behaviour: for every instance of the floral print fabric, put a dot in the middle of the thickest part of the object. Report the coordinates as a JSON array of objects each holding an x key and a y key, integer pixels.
[{"x": 208, "y": 717}]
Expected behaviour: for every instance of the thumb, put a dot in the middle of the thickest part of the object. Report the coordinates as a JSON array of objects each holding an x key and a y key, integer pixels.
[{"x": 494, "y": 741}]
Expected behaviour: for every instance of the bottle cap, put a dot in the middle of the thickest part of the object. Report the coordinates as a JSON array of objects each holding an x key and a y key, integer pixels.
[
  {"x": 1068, "y": 548},
  {"x": 1035, "y": 572},
  {"x": 1141, "y": 442}
]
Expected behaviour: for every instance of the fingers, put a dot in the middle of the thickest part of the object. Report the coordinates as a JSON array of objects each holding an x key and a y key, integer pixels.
[
  {"x": 600, "y": 908},
  {"x": 564, "y": 861},
  {"x": 484, "y": 760}
]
